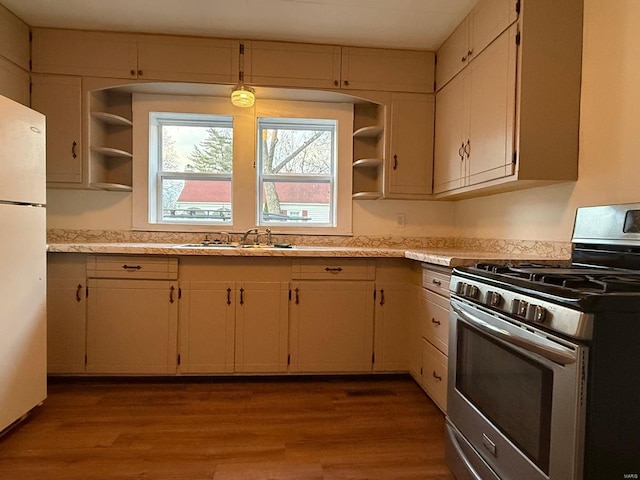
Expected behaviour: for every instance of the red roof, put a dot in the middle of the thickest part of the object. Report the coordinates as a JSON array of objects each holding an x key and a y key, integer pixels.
[{"x": 197, "y": 191}]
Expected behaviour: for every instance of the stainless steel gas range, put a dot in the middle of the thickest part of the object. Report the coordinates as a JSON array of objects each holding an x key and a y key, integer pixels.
[{"x": 544, "y": 361}]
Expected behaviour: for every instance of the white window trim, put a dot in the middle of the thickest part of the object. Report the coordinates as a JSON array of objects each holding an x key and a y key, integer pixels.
[{"x": 244, "y": 191}]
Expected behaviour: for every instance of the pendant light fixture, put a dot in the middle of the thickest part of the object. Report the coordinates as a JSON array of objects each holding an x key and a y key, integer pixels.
[{"x": 242, "y": 96}]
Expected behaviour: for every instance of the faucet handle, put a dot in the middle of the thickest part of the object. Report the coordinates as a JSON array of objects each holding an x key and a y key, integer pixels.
[{"x": 268, "y": 232}]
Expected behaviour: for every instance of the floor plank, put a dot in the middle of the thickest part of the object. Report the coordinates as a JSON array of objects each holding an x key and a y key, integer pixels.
[{"x": 378, "y": 428}]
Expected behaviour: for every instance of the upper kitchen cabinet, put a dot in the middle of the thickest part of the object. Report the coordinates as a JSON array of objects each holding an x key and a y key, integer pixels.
[
  {"x": 14, "y": 82},
  {"x": 387, "y": 70},
  {"x": 74, "y": 52},
  {"x": 510, "y": 120},
  {"x": 487, "y": 20},
  {"x": 14, "y": 39},
  {"x": 474, "y": 119},
  {"x": 292, "y": 64},
  {"x": 410, "y": 159},
  {"x": 14, "y": 57},
  {"x": 59, "y": 98},
  {"x": 187, "y": 59},
  {"x": 131, "y": 56}
]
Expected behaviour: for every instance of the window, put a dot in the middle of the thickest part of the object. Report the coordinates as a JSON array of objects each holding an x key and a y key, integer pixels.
[
  {"x": 194, "y": 168},
  {"x": 296, "y": 171},
  {"x": 201, "y": 164}
]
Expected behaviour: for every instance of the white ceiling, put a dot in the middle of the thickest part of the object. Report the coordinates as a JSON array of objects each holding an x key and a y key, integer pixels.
[{"x": 407, "y": 24}]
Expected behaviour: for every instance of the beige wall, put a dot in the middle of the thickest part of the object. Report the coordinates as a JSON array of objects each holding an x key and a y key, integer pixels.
[
  {"x": 609, "y": 166},
  {"x": 609, "y": 170}
]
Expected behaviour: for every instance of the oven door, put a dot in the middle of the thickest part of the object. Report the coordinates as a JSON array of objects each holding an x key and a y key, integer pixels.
[{"x": 516, "y": 394}]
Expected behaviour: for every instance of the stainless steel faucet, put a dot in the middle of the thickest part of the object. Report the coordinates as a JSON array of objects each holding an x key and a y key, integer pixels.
[{"x": 245, "y": 235}]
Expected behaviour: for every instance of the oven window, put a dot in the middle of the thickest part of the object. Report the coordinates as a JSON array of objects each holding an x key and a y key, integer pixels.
[{"x": 511, "y": 390}]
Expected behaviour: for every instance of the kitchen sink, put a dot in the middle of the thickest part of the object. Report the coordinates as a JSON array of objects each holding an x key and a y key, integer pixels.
[
  {"x": 233, "y": 245},
  {"x": 208, "y": 245}
]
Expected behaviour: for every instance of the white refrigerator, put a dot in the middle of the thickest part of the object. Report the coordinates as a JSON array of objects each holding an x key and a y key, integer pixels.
[{"x": 23, "y": 338}]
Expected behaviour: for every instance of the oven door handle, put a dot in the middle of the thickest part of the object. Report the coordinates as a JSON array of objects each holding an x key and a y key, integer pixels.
[{"x": 557, "y": 355}]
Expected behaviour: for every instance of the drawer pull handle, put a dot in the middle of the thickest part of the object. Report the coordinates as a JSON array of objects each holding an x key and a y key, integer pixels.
[
  {"x": 131, "y": 267},
  {"x": 436, "y": 376},
  {"x": 228, "y": 296},
  {"x": 78, "y": 290},
  {"x": 297, "y": 297},
  {"x": 381, "y": 297},
  {"x": 242, "y": 296},
  {"x": 73, "y": 149},
  {"x": 333, "y": 269},
  {"x": 434, "y": 321},
  {"x": 438, "y": 283}
]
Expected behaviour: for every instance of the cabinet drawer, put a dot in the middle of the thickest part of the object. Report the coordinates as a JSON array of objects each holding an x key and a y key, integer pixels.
[
  {"x": 434, "y": 374},
  {"x": 334, "y": 269},
  {"x": 134, "y": 267},
  {"x": 436, "y": 280},
  {"x": 435, "y": 321}
]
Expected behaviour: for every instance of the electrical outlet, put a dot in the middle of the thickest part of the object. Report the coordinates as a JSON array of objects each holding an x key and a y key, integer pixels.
[{"x": 399, "y": 220}]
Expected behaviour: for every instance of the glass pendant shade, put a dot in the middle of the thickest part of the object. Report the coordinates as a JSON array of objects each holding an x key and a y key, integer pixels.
[{"x": 242, "y": 96}]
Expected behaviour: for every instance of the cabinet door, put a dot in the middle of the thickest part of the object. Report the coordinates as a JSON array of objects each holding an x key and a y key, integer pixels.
[
  {"x": 394, "y": 305},
  {"x": 132, "y": 326},
  {"x": 491, "y": 104},
  {"x": 387, "y": 70},
  {"x": 187, "y": 59},
  {"x": 75, "y": 52},
  {"x": 332, "y": 326},
  {"x": 262, "y": 327},
  {"x": 410, "y": 163},
  {"x": 488, "y": 20},
  {"x": 15, "y": 39},
  {"x": 66, "y": 312},
  {"x": 59, "y": 98},
  {"x": 14, "y": 82},
  {"x": 449, "y": 161},
  {"x": 453, "y": 54},
  {"x": 207, "y": 327},
  {"x": 292, "y": 65}
]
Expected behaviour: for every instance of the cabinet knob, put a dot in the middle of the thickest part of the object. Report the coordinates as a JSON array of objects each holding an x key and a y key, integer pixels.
[
  {"x": 140, "y": 73},
  {"x": 469, "y": 53},
  {"x": 463, "y": 59},
  {"x": 346, "y": 83},
  {"x": 133, "y": 73},
  {"x": 336, "y": 83}
]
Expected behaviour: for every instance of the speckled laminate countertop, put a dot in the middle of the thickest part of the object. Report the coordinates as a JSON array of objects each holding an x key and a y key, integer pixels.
[{"x": 443, "y": 257}]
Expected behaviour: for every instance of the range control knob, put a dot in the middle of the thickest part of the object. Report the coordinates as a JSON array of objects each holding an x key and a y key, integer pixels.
[
  {"x": 536, "y": 313},
  {"x": 519, "y": 308},
  {"x": 472, "y": 291},
  {"x": 494, "y": 299}
]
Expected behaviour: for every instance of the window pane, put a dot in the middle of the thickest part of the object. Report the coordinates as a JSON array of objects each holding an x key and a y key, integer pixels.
[
  {"x": 296, "y": 203},
  {"x": 196, "y": 148},
  {"x": 196, "y": 200},
  {"x": 306, "y": 151}
]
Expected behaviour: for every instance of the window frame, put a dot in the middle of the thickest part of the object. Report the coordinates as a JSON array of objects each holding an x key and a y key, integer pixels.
[{"x": 245, "y": 178}]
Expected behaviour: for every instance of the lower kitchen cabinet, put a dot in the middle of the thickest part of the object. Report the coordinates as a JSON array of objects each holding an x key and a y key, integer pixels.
[
  {"x": 132, "y": 326},
  {"x": 431, "y": 333},
  {"x": 393, "y": 306},
  {"x": 207, "y": 327},
  {"x": 331, "y": 326},
  {"x": 66, "y": 313},
  {"x": 262, "y": 321}
]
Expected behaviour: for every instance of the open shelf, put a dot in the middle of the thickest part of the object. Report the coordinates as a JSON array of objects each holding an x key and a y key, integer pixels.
[
  {"x": 367, "y": 195},
  {"x": 367, "y": 163},
  {"x": 368, "y": 151},
  {"x": 112, "y": 118}
]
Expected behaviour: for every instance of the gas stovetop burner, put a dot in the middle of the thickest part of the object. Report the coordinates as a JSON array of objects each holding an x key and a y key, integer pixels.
[{"x": 580, "y": 279}]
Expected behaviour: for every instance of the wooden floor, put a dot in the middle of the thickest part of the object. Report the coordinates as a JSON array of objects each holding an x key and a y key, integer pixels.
[{"x": 301, "y": 429}]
